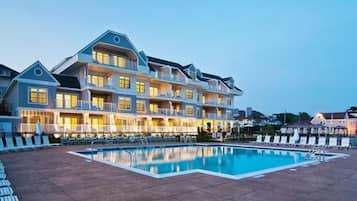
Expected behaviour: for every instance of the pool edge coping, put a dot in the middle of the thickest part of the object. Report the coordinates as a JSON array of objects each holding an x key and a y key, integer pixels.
[{"x": 227, "y": 176}]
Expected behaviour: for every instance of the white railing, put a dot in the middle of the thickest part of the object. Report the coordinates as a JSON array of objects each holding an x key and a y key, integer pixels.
[
  {"x": 88, "y": 105},
  {"x": 80, "y": 128}
]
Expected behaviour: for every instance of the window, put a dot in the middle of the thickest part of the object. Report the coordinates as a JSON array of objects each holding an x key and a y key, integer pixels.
[
  {"x": 140, "y": 87},
  {"x": 124, "y": 82},
  {"x": 189, "y": 94},
  {"x": 124, "y": 103},
  {"x": 98, "y": 102},
  {"x": 203, "y": 113},
  {"x": 197, "y": 112},
  {"x": 229, "y": 100},
  {"x": 140, "y": 106},
  {"x": 38, "y": 96},
  {"x": 154, "y": 107},
  {"x": 66, "y": 100},
  {"x": 229, "y": 114},
  {"x": 203, "y": 99},
  {"x": 119, "y": 61},
  {"x": 220, "y": 100},
  {"x": 153, "y": 91},
  {"x": 100, "y": 57},
  {"x": 189, "y": 110},
  {"x": 96, "y": 80}
]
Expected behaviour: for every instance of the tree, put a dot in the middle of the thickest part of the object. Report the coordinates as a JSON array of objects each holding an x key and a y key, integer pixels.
[
  {"x": 290, "y": 118},
  {"x": 353, "y": 109},
  {"x": 304, "y": 116}
]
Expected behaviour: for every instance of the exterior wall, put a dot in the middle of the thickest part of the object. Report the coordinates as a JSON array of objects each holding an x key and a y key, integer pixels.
[
  {"x": 12, "y": 99},
  {"x": 24, "y": 102}
]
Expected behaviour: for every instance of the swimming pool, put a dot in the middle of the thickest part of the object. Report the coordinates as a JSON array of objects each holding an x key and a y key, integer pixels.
[{"x": 228, "y": 161}]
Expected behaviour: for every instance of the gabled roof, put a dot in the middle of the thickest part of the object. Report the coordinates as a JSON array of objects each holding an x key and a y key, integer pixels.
[
  {"x": 45, "y": 77},
  {"x": 67, "y": 81},
  {"x": 169, "y": 63},
  {"x": 13, "y": 73},
  {"x": 333, "y": 115}
]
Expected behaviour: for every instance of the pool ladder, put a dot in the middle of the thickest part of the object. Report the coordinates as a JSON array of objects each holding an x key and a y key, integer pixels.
[{"x": 318, "y": 152}]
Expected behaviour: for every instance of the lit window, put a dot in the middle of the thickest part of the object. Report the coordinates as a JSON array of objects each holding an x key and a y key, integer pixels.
[
  {"x": 124, "y": 103},
  {"x": 154, "y": 107},
  {"x": 153, "y": 91},
  {"x": 189, "y": 94},
  {"x": 96, "y": 80},
  {"x": 66, "y": 100},
  {"x": 189, "y": 110},
  {"x": 98, "y": 102},
  {"x": 38, "y": 96},
  {"x": 140, "y": 106},
  {"x": 124, "y": 82},
  {"x": 229, "y": 101},
  {"x": 140, "y": 87}
]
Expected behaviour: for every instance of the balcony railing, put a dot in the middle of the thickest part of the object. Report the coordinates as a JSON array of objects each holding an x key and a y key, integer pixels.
[
  {"x": 87, "y": 105},
  {"x": 167, "y": 112},
  {"x": 172, "y": 77},
  {"x": 120, "y": 62},
  {"x": 107, "y": 85},
  {"x": 80, "y": 128},
  {"x": 216, "y": 89},
  {"x": 216, "y": 116}
]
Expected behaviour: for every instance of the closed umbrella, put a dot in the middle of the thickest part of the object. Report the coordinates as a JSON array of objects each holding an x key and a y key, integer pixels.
[
  {"x": 38, "y": 128},
  {"x": 296, "y": 135}
]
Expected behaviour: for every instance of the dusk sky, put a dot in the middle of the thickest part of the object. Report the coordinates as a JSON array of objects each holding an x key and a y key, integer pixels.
[{"x": 285, "y": 55}]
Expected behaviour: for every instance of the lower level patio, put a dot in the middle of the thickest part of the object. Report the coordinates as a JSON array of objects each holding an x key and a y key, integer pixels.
[{"x": 53, "y": 174}]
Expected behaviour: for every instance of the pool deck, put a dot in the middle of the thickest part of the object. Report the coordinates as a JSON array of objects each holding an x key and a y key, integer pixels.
[{"x": 54, "y": 175}]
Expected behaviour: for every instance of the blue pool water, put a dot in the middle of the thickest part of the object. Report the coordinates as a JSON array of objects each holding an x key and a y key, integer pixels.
[{"x": 234, "y": 161}]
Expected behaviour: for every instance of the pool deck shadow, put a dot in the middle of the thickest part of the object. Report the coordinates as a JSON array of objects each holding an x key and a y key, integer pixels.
[{"x": 53, "y": 174}]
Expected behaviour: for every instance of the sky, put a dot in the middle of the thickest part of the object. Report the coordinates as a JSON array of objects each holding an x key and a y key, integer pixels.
[{"x": 286, "y": 55}]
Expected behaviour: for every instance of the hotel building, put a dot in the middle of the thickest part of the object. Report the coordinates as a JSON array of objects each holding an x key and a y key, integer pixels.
[{"x": 110, "y": 87}]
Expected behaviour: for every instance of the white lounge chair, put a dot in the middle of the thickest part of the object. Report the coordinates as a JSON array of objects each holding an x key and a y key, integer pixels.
[
  {"x": 276, "y": 139},
  {"x": 259, "y": 139},
  {"x": 312, "y": 141},
  {"x": 194, "y": 138},
  {"x": 182, "y": 138},
  {"x": 9, "y": 143},
  {"x": 303, "y": 141},
  {"x": 291, "y": 140},
  {"x": 322, "y": 141},
  {"x": 267, "y": 139},
  {"x": 345, "y": 142},
  {"x": 2, "y": 147},
  {"x": 4, "y": 183},
  {"x": 46, "y": 141},
  {"x": 5, "y": 191},
  {"x": 214, "y": 135},
  {"x": 37, "y": 140},
  {"x": 332, "y": 142},
  {"x": 284, "y": 140},
  {"x": 29, "y": 143},
  {"x": 9, "y": 198},
  {"x": 19, "y": 143}
]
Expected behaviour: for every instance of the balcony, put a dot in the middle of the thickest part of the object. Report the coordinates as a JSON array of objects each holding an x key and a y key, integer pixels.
[
  {"x": 165, "y": 77},
  {"x": 216, "y": 116},
  {"x": 81, "y": 128},
  {"x": 90, "y": 106},
  {"x": 114, "y": 60},
  {"x": 106, "y": 85},
  {"x": 167, "y": 112},
  {"x": 215, "y": 89}
]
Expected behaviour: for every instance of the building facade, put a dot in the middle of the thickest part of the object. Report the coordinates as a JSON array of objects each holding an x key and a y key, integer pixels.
[{"x": 110, "y": 87}]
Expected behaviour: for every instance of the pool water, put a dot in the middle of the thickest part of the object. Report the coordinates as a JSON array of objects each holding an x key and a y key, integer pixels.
[{"x": 222, "y": 160}]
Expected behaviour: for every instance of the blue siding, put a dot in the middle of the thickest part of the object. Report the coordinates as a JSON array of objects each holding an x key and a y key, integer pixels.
[
  {"x": 24, "y": 97},
  {"x": 30, "y": 74}
]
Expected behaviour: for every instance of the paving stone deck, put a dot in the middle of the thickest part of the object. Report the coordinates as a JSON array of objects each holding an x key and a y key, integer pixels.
[{"x": 54, "y": 175}]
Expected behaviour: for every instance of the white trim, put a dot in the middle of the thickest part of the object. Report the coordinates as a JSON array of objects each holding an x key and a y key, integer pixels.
[
  {"x": 43, "y": 68},
  {"x": 38, "y": 82},
  {"x": 228, "y": 176},
  {"x": 29, "y": 97}
]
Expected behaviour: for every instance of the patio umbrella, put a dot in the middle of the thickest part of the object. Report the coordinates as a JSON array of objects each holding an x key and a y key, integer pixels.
[
  {"x": 283, "y": 130},
  {"x": 296, "y": 135},
  {"x": 38, "y": 128}
]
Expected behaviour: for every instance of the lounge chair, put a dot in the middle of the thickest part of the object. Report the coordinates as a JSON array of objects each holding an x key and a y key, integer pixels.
[
  {"x": 332, "y": 142},
  {"x": 29, "y": 143},
  {"x": 5, "y": 191},
  {"x": 2, "y": 147},
  {"x": 20, "y": 143},
  {"x": 259, "y": 139},
  {"x": 284, "y": 139},
  {"x": 4, "y": 183},
  {"x": 303, "y": 141},
  {"x": 267, "y": 139},
  {"x": 37, "y": 140},
  {"x": 46, "y": 141},
  {"x": 312, "y": 141},
  {"x": 2, "y": 176},
  {"x": 322, "y": 141},
  {"x": 9, "y": 198},
  {"x": 9, "y": 143},
  {"x": 276, "y": 139},
  {"x": 345, "y": 142},
  {"x": 194, "y": 138},
  {"x": 292, "y": 140},
  {"x": 182, "y": 138}
]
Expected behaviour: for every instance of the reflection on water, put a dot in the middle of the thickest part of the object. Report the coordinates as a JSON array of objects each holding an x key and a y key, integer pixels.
[{"x": 229, "y": 160}]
